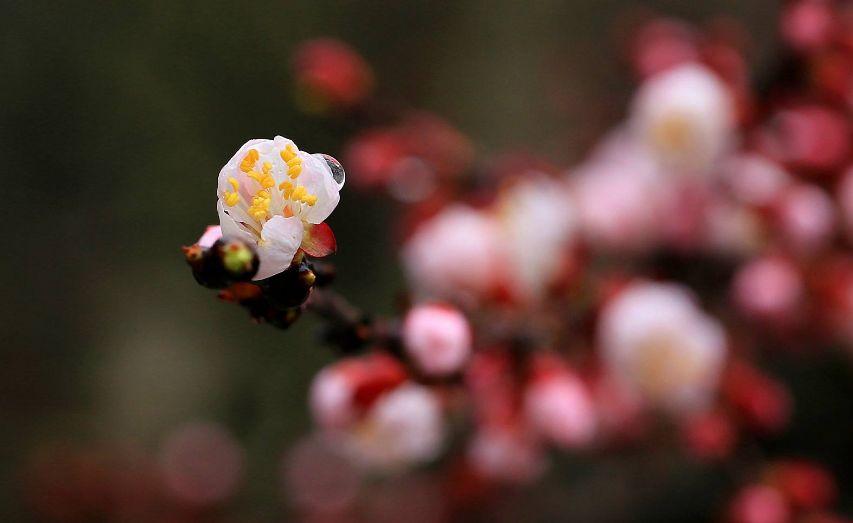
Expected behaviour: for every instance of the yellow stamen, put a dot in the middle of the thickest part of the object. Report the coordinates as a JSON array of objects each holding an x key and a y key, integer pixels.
[
  {"x": 249, "y": 161},
  {"x": 231, "y": 198},
  {"x": 234, "y": 183},
  {"x": 267, "y": 167},
  {"x": 286, "y": 189},
  {"x": 266, "y": 180},
  {"x": 260, "y": 205},
  {"x": 288, "y": 153},
  {"x": 294, "y": 171}
]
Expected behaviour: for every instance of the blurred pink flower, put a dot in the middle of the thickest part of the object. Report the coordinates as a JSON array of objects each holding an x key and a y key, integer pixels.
[
  {"x": 754, "y": 180},
  {"x": 558, "y": 407},
  {"x": 806, "y": 217},
  {"x": 437, "y": 338},
  {"x": 807, "y": 24},
  {"x": 618, "y": 205},
  {"x": 768, "y": 288},
  {"x": 662, "y": 44},
  {"x": 806, "y": 485},
  {"x": 710, "y": 436},
  {"x": 759, "y": 504},
  {"x": 845, "y": 201},
  {"x": 505, "y": 454},
  {"x": 202, "y": 464},
  {"x": 331, "y": 74},
  {"x": 456, "y": 256},
  {"x": 810, "y": 137},
  {"x": 317, "y": 480}
]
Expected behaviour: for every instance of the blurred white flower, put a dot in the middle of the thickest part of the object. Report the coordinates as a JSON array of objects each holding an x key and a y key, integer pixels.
[
  {"x": 456, "y": 255},
  {"x": 437, "y": 338},
  {"x": 270, "y": 193},
  {"x": 685, "y": 116},
  {"x": 342, "y": 391},
  {"x": 404, "y": 427},
  {"x": 537, "y": 222},
  {"x": 657, "y": 342}
]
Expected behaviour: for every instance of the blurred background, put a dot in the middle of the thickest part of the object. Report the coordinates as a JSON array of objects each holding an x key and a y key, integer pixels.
[{"x": 116, "y": 118}]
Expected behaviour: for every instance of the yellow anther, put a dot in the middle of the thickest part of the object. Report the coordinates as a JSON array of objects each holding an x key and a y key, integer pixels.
[
  {"x": 266, "y": 180},
  {"x": 231, "y": 198},
  {"x": 249, "y": 161},
  {"x": 309, "y": 199},
  {"x": 234, "y": 183},
  {"x": 267, "y": 168},
  {"x": 294, "y": 161},
  {"x": 298, "y": 193},
  {"x": 286, "y": 189},
  {"x": 288, "y": 153},
  {"x": 294, "y": 171},
  {"x": 260, "y": 205}
]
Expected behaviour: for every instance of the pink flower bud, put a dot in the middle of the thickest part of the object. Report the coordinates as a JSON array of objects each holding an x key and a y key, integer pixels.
[
  {"x": 759, "y": 504},
  {"x": 806, "y": 217},
  {"x": 332, "y": 73},
  {"x": 768, "y": 288},
  {"x": 807, "y": 486},
  {"x": 763, "y": 403},
  {"x": 559, "y": 408},
  {"x": 709, "y": 436},
  {"x": 437, "y": 338},
  {"x": 807, "y": 24}
]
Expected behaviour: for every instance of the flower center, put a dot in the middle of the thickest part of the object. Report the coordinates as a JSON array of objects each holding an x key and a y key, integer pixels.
[{"x": 255, "y": 205}]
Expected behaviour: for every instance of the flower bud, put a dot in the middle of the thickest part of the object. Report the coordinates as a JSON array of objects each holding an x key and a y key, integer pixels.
[
  {"x": 237, "y": 259},
  {"x": 221, "y": 263},
  {"x": 437, "y": 338},
  {"x": 291, "y": 287},
  {"x": 759, "y": 504}
]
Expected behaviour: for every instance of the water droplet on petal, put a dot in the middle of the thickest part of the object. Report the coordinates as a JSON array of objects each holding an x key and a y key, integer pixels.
[{"x": 338, "y": 173}]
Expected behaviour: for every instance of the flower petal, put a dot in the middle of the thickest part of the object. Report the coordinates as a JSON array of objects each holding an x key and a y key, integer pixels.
[
  {"x": 317, "y": 179},
  {"x": 280, "y": 239},
  {"x": 231, "y": 227},
  {"x": 319, "y": 240},
  {"x": 211, "y": 234}
]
